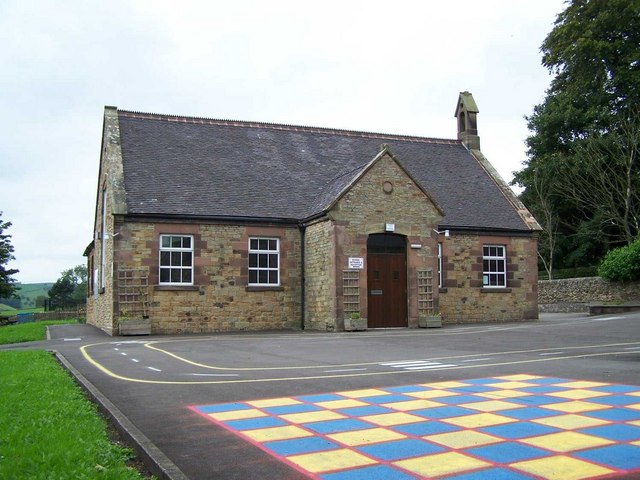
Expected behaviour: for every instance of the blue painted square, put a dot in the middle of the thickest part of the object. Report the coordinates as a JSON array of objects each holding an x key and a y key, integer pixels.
[
  {"x": 252, "y": 423},
  {"x": 377, "y": 472},
  {"x": 481, "y": 381},
  {"x": 615, "y": 414},
  {"x": 618, "y": 432},
  {"x": 542, "y": 389},
  {"x": 473, "y": 389},
  {"x": 425, "y": 428},
  {"x": 615, "y": 400},
  {"x": 287, "y": 409},
  {"x": 324, "y": 397},
  {"x": 459, "y": 399},
  {"x": 547, "y": 380},
  {"x": 616, "y": 389},
  {"x": 519, "y": 430},
  {"x": 400, "y": 449},
  {"x": 507, "y": 452},
  {"x": 443, "y": 412},
  {"x": 492, "y": 474},
  {"x": 366, "y": 410},
  {"x": 527, "y": 413},
  {"x": 624, "y": 457},
  {"x": 223, "y": 407},
  {"x": 536, "y": 400},
  {"x": 388, "y": 398},
  {"x": 406, "y": 389},
  {"x": 300, "y": 445},
  {"x": 342, "y": 425}
]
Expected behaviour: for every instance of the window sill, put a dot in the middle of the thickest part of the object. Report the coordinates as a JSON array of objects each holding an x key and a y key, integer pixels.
[
  {"x": 495, "y": 290},
  {"x": 252, "y": 288},
  {"x": 182, "y": 288}
]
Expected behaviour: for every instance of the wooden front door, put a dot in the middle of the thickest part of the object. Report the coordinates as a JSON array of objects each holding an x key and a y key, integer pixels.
[{"x": 387, "y": 281}]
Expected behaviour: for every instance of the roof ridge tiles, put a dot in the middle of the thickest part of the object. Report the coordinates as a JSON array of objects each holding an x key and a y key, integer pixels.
[{"x": 286, "y": 127}]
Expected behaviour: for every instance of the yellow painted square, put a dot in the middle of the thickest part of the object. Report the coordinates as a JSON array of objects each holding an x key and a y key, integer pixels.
[
  {"x": 274, "y": 402},
  {"x": 367, "y": 436},
  {"x": 570, "y": 422},
  {"x": 330, "y": 460},
  {"x": 637, "y": 442},
  {"x": 237, "y": 414},
  {"x": 367, "y": 392},
  {"x": 440, "y": 464},
  {"x": 308, "y": 417},
  {"x": 511, "y": 385},
  {"x": 430, "y": 394},
  {"x": 633, "y": 394},
  {"x": 634, "y": 422},
  {"x": 578, "y": 394},
  {"x": 412, "y": 405},
  {"x": 341, "y": 403},
  {"x": 462, "y": 439},
  {"x": 491, "y": 405},
  {"x": 561, "y": 467},
  {"x": 277, "y": 433},
  {"x": 519, "y": 377},
  {"x": 635, "y": 406},
  {"x": 479, "y": 420},
  {"x": 451, "y": 384},
  {"x": 575, "y": 406},
  {"x": 502, "y": 394},
  {"x": 581, "y": 384},
  {"x": 389, "y": 419},
  {"x": 566, "y": 441}
]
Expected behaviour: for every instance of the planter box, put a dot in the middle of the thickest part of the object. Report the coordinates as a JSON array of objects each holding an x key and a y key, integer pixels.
[
  {"x": 135, "y": 327},
  {"x": 355, "y": 324},
  {"x": 430, "y": 321}
]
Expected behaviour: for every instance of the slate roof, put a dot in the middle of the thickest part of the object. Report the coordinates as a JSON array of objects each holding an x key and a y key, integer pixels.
[{"x": 216, "y": 168}]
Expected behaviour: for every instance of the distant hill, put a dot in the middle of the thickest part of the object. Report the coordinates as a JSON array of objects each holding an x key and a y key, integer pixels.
[{"x": 28, "y": 292}]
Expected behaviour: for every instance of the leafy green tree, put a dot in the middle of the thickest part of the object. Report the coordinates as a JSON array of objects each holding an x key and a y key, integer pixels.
[
  {"x": 622, "y": 264},
  {"x": 584, "y": 133},
  {"x": 70, "y": 290},
  {"x": 7, "y": 284}
]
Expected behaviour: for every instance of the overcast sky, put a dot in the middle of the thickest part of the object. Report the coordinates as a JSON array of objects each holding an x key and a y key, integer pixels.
[{"x": 388, "y": 67}]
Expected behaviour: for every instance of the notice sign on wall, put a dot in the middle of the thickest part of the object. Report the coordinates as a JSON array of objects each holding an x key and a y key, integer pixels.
[{"x": 356, "y": 263}]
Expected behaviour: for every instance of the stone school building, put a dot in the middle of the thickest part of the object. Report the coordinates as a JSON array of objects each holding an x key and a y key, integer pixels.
[{"x": 205, "y": 225}]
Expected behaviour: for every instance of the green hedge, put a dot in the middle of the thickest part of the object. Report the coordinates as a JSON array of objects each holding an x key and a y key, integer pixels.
[{"x": 622, "y": 264}]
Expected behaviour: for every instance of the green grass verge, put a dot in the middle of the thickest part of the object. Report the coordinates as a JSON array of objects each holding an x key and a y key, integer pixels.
[
  {"x": 10, "y": 313},
  {"x": 28, "y": 332},
  {"x": 48, "y": 429}
]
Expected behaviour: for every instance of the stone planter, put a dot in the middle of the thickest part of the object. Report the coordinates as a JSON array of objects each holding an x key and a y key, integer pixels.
[
  {"x": 430, "y": 321},
  {"x": 355, "y": 324},
  {"x": 139, "y": 326}
]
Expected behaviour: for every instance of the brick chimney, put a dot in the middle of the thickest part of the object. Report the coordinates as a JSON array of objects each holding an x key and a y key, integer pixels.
[{"x": 466, "y": 113}]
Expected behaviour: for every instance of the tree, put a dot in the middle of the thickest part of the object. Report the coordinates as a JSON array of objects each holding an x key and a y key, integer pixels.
[
  {"x": 70, "y": 290},
  {"x": 584, "y": 138},
  {"x": 7, "y": 284}
]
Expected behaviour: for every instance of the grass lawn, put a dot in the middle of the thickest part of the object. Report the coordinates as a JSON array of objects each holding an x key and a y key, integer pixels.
[
  {"x": 27, "y": 332},
  {"x": 48, "y": 429}
]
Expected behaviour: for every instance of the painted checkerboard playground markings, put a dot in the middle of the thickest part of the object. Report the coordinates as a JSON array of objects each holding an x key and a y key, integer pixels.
[{"x": 509, "y": 427}]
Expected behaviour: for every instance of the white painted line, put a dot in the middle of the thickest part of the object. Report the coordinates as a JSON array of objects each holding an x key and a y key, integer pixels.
[
  {"x": 72, "y": 339},
  {"x": 475, "y": 360},
  {"x": 427, "y": 367},
  {"x": 135, "y": 360},
  {"x": 346, "y": 370},
  {"x": 605, "y": 319},
  {"x": 154, "y": 369},
  {"x": 416, "y": 364},
  {"x": 632, "y": 348},
  {"x": 212, "y": 374},
  {"x": 401, "y": 363},
  {"x": 116, "y": 349},
  {"x": 123, "y": 353},
  {"x": 550, "y": 353}
]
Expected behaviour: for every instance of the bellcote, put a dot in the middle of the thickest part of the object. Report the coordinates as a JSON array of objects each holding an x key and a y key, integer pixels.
[{"x": 466, "y": 113}]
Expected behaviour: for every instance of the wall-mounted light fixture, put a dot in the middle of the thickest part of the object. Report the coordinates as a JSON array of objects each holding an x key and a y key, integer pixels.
[{"x": 446, "y": 232}]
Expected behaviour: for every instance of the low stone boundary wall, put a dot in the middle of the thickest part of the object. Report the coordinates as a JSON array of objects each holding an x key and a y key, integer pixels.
[{"x": 575, "y": 294}]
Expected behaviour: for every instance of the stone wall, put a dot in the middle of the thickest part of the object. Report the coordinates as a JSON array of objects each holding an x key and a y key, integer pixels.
[
  {"x": 220, "y": 298},
  {"x": 462, "y": 297},
  {"x": 320, "y": 279},
  {"x": 575, "y": 294}
]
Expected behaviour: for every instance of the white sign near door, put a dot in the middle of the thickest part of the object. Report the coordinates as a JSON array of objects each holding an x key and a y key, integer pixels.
[{"x": 356, "y": 263}]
